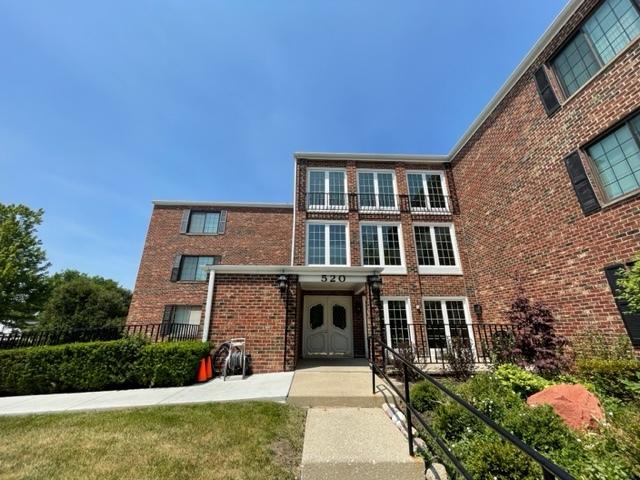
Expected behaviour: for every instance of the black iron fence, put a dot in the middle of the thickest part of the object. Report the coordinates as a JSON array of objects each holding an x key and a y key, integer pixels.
[
  {"x": 379, "y": 351},
  {"x": 156, "y": 332},
  {"x": 431, "y": 204},
  {"x": 432, "y": 342}
]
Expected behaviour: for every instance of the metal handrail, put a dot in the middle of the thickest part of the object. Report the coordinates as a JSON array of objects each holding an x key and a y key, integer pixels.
[
  {"x": 549, "y": 469},
  {"x": 156, "y": 332}
]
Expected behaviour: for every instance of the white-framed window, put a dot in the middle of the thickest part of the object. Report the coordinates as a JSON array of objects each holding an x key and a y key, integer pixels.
[
  {"x": 327, "y": 189},
  {"x": 381, "y": 245},
  {"x": 447, "y": 319},
  {"x": 181, "y": 320},
  {"x": 398, "y": 322},
  {"x": 377, "y": 190},
  {"x": 185, "y": 314},
  {"x": 203, "y": 222},
  {"x": 428, "y": 192},
  {"x": 327, "y": 243},
  {"x": 436, "y": 249}
]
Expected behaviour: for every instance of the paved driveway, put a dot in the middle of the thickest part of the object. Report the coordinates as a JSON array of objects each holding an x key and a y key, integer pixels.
[{"x": 268, "y": 386}]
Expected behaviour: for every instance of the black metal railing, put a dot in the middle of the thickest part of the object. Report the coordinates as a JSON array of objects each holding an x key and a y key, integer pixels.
[
  {"x": 431, "y": 342},
  {"x": 433, "y": 204},
  {"x": 156, "y": 332},
  {"x": 549, "y": 469}
]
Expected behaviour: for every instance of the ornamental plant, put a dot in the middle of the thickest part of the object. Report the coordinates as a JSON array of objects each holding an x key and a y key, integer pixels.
[
  {"x": 536, "y": 344},
  {"x": 629, "y": 283}
]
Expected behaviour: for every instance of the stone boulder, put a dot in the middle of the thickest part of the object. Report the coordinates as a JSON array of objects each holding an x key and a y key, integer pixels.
[{"x": 577, "y": 406}]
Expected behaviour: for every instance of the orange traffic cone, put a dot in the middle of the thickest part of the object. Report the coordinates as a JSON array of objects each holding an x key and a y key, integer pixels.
[
  {"x": 209, "y": 367},
  {"x": 202, "y": 371}
]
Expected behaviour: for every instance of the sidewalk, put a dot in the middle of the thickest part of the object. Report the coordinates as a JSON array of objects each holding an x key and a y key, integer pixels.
[{"x": 269, "y": 386}]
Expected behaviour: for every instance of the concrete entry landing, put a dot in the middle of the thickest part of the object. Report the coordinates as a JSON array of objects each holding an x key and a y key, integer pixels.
[{"x": 333, "y": 383}]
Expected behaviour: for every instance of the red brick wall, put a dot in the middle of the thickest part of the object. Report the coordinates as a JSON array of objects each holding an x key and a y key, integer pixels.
[
  {"x": 521, "y": 223},
  {"x": 252, "y": 237},
  {"x": 412, "y": 285},
  {"x": 252, "y": 307}
]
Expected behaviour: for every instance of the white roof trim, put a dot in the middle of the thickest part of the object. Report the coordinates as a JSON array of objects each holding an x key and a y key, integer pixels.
[
  {"x": 524, "y": 65},
  {"x": 189, "y": 203},
  {"x": 377, "y": 157},
  {"x": 300, "y": 269}
]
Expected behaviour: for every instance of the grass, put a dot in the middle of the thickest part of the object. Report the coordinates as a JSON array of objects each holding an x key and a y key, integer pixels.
[{"x": 249, "y": 440}]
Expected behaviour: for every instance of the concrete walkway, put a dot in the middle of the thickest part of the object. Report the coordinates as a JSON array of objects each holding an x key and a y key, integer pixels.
[
  {"x": 268, "y": 386},
  {"x": 347, "y": 434}
]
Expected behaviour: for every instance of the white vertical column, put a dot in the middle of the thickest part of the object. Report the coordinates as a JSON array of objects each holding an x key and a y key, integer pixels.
[{"x": 208, "y": 306}]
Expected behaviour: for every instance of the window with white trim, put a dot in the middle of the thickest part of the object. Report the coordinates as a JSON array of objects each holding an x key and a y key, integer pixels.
[
  {"x": 446, "y": 319},
  {"x": 428, "y": 192},
  {"x": 397, "y": 322},
  {"x": 327, "y": 244},
  {"x": 327, "y": 189},
  {"x": 377, "y": 190},
  {"x": 436, "y": 248},
  {"x": 381, "y": 245},
  {"x": 178, "y": 319}
]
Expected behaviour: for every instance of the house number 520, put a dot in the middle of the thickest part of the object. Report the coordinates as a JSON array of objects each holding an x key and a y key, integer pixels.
[{"x": 333, "y": 278}]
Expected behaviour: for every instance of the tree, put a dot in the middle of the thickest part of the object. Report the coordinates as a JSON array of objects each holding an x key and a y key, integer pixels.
[
  {"x": 629, "y": 283},
  {"x": 23, "y": 265},
  {"x": 536, "y": 344},
  {"x": 78, "y": 300}
]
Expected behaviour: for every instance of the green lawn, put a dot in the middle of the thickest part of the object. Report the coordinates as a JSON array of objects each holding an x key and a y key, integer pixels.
[{"x": 251, "y": 440}]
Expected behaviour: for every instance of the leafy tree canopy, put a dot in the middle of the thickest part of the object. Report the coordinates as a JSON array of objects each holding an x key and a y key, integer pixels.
[
  {"x": 78, "y": 300},
  {"x": 23, "y": 265}
]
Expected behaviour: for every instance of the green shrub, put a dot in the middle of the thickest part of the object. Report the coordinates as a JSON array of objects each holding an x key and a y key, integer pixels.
[
  {"x": 169, "y": 364},
  {"x": 487, "y": 458},
  {"x": 610, "y": 376},
  {"x": 520, "y": 381},
  {"x": 539, "y": 427},
  {"x": 425, "y": 396},
  {"x": 485, "y": 392},
  {"x": 453, "y": 422},
  {"x": 594, "y": 345},
  {"x": 79, "y": 367}
]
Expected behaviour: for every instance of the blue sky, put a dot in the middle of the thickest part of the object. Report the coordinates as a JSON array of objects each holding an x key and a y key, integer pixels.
[{"x": 106, "y": 106}]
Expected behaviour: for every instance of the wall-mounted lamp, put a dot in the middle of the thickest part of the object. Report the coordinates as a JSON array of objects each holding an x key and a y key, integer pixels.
[
  {"x": 477, "y": 308},
  {"x": 282, "y": 283},
  {"x": 375, "y": 282}
]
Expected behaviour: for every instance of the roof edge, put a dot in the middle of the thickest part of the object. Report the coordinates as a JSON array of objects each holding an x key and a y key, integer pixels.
[
  {"x": 190, "y": 203},
  {"x": 378, "y": 157},
  {"x": 535, "y": 51}
]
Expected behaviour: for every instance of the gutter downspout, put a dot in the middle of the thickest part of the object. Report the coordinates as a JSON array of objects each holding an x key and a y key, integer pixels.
[{"x": 207, "y": 311}]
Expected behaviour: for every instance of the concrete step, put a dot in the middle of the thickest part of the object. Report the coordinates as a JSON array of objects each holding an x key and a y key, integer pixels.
[
  {"x": 355, "y": 443},
  {"x": 333, "y": 384}
]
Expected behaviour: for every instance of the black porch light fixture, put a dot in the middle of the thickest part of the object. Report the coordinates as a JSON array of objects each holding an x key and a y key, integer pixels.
[
  {"x": 282, "y": 283},
  {"x": 477, "y": 308},
  {"x": 375, "y": 282}
]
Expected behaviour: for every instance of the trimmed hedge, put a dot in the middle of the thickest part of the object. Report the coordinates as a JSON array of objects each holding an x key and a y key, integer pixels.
[{"x": 81, "y": 367}]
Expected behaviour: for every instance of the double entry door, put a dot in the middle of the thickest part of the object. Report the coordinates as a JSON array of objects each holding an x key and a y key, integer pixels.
[{"x": 327, "y": 327}]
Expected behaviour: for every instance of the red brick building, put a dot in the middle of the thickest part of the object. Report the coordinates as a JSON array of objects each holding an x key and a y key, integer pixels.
[{"x": 539, "y": 195}]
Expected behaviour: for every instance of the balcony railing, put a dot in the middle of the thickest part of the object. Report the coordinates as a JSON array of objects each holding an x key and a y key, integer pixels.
[
  {"x": 432, "y": 204},
  {"x": 432, "y": 342}
]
